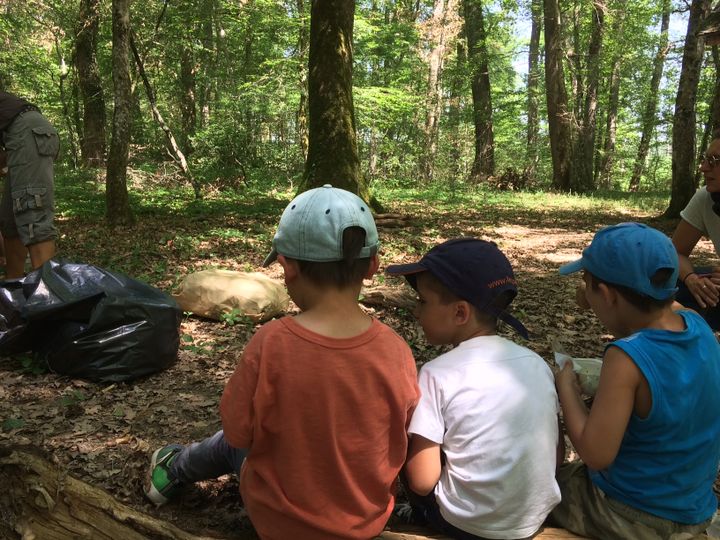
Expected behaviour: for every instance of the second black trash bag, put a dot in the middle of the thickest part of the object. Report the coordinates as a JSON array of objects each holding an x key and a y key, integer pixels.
[{"x": 95, "y": 324}]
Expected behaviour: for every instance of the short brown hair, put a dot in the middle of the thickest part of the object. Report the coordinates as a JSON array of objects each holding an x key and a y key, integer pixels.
[
  {"x": 340, "y": 274},
  {"x": 497, "y": 305},
  {"x": 644, "y": 303}
]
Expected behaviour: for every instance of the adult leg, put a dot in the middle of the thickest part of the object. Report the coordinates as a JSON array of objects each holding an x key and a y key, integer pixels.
[
  {"x": 15, "y": 254},
  {"x": 41, "y": 252}
]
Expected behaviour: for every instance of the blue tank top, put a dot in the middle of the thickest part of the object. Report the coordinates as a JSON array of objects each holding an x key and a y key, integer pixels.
[{"x": 667, "y": 462}]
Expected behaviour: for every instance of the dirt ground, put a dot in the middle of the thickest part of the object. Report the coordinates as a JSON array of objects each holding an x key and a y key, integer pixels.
[{"x": 104, "y": 434}]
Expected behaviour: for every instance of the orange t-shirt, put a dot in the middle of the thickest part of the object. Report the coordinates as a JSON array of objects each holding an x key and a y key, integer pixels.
[{"x": 325, "y": 423}]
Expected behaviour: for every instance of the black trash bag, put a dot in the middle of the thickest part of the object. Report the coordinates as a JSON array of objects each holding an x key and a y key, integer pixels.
[{"x": 87, "y": 322}]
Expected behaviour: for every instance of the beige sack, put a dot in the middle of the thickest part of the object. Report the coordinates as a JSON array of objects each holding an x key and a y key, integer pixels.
[{"x": 211, "y": 293}]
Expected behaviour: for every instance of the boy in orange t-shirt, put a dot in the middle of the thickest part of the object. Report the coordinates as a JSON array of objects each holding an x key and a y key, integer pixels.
[{"x": 315, "y": 415}]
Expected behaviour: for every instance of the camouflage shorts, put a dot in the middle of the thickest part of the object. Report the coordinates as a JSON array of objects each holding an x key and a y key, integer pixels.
[
  {"x": 587, "y": 511},
  {"x": 27, "y": 207}
]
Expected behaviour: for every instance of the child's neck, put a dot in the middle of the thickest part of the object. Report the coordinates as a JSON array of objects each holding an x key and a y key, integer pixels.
[
  {"x": 633, "y": 320},
  {"x": 333, "y": 313},
  {"x": 471, "y": 331}
]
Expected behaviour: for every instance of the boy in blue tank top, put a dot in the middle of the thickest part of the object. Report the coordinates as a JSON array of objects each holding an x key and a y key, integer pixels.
[{"x": 650, "y": 444}]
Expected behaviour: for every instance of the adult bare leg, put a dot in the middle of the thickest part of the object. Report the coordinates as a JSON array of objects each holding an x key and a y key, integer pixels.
[
  {"x": 15, "y": 253},
  {"x": 41, "y": 252}
]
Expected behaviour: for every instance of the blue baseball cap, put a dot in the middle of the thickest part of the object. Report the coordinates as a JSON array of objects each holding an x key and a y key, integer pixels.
[
  {"x": 311, "y": 227},
  {"x": 472, "y": 269},
  {"x": 630, "y": 254}
]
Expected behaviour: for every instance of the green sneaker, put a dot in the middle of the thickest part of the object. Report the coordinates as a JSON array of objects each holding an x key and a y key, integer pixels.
[{"x": 161, "y": 486}]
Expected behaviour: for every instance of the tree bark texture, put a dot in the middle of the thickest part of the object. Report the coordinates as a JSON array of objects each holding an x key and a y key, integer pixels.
[
  {"x": 439, "y": 30},
  {"x": 42, "y": 501},
  {"x": 559, "y": 120},
  {"x": 683, "y": 138},
  {"x": 582, "y": 177},
  {"x": 603, "y": 173},
  {"x": 302, "y": 45},
  {"x": 188, "y": 103},
  {"x": 484, "y": 161},
  {"x": 711, "y": 123},
  {"x": 533, "y": 87},
  {"x": 332, "y": 144},
  {"x": 648, "y": 116},
  {"x": 92, "y": 139},
  {"x": 116, "y": 194}
]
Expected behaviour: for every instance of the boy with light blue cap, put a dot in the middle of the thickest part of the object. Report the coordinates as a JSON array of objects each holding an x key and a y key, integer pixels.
[
  {"x": 650, "y": 444},
  {"x": 314, "y": 417}
]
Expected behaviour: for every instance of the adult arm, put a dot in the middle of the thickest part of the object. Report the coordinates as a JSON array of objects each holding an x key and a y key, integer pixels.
[
  {"x": 705, "y": 290},
  {"x": 597, "y": 434},
  {"x": 423, "y": 464}
]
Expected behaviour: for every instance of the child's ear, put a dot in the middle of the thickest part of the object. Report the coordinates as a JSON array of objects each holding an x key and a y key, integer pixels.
[
  {"x": 290, "y": 267},
  {"x": 374, "y": 265},
  {"x": 609, "y": 294},
  {"x": 463, "y": 312}
]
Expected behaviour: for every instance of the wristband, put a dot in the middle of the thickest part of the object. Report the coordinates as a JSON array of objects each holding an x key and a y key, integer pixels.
[{"x": 687, "y": 276}]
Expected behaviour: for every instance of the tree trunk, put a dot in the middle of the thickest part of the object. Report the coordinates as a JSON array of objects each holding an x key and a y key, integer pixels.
[
  {"x": 302, "y": 114},
  {"x": 116, "y": 195},
  {"x": 484, "y": 162},
  {"x": 648, "y": 116},
  {"x": 712, "y": 122},
  {"x": 332, "y": 147},
  {"x": 188, "y": 106},
  {"x": 438, "y": 30},
  {"x": 559, "y": 121},
  {"x": 582, "y": 177},
  {"x": 92, "y": 140},
  {"x": 607, "y": 155},
  {"x": 683, "y": 138},
  {"x": 533, "y": 85}
]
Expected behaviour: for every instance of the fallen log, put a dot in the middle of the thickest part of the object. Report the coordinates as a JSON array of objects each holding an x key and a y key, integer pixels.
[
  {"x": 41, "y": 501},
  {"x": 417, "y": 533}
]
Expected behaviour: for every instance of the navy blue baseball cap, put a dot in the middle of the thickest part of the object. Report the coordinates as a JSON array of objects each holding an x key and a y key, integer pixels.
[
  {"x": 472, "y": 269},
  {"x": 630, "y": 254}
]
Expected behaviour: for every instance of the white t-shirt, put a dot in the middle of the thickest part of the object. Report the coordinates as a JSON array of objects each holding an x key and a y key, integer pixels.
[
  {"x": 699, "y": 214},
  {"x": 491, "y": 405}
]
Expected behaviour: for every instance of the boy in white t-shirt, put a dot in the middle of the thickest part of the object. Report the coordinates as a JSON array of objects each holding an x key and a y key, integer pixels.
[{"x": 484, "y": 437}]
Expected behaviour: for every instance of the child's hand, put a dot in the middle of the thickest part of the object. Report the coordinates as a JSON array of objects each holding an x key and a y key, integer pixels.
[{"x": 567, "y": 378}]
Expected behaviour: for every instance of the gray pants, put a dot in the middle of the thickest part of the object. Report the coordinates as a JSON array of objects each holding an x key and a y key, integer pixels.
[{"x": 208, "y": 459}]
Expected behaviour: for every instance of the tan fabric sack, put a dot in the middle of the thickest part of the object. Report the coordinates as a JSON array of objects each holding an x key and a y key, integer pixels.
[{"x": 211, "y": 293}]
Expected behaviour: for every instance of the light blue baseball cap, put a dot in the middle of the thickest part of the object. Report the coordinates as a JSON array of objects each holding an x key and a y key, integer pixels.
[
  {"x": 629, "y": 254},
  {"x": 311, "y": 227}
]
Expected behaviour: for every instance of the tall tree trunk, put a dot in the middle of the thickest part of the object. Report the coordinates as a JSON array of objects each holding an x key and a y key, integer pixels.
[
  {"x": 712, "y": 122},
  {"x": 116, "y": 195},
  {"x": 582, "y": 178},
  {"x": 302, "y": 114},
  {"x": 484, "y": 162},
  {"x": 683, "y": 138},
  {"x": 64, "y": 101},
  {"x": 607, "y": 155},
  {"x": 533, "y": 85},
  {"x": 92, "y": 140},
  {"x": 559, "y": 121},
  {"x": 188, "y": 106},
  {"x": 438, "y": 36},
  {"x": 648, "y": 116},
  {"x": 332, "y": 146}
]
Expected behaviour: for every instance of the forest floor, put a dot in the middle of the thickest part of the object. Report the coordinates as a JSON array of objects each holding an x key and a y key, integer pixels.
[{"x": 104, "y": 433}]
